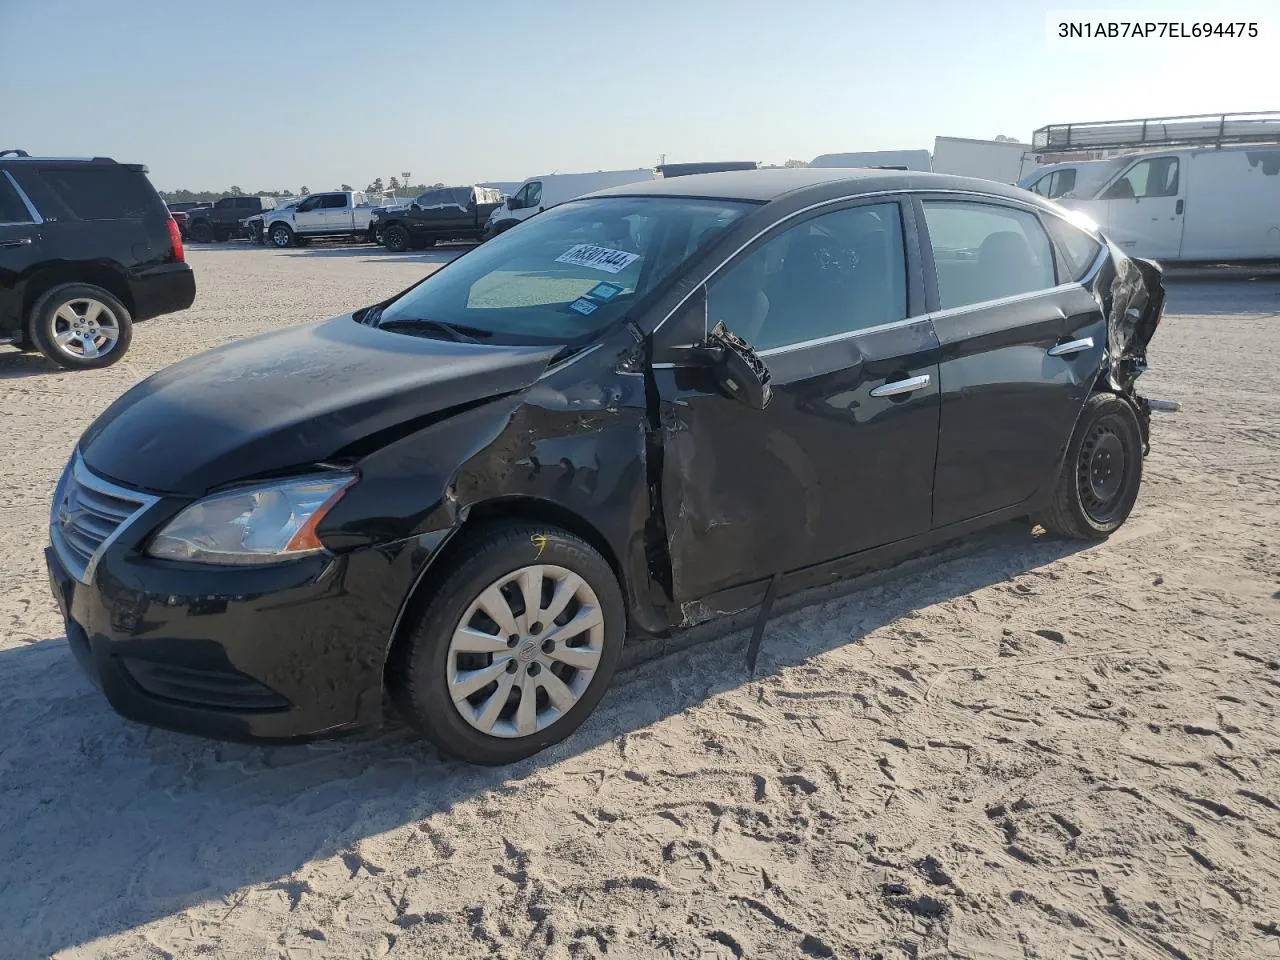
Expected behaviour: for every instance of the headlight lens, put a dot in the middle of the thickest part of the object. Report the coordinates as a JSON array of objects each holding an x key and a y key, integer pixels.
[{"x": 265, "y": 523}]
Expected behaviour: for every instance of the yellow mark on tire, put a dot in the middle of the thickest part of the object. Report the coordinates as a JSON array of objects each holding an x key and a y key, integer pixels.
[{"x": 539, "y": 540}]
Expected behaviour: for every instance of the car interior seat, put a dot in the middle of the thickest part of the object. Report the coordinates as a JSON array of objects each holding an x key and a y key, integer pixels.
[{"x": 1006, "y": 266}]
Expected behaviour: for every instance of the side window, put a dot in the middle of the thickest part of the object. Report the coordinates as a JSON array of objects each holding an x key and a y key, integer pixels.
[
  {"x": 307, "y": 205},
  {"x": 12, "y": 209},
  {"x": 227, "y": 203},
  {"x": 336, "y": 201},
  {"x": 1074, "y": 248},
  {"x": 832, "y": 274},
  {"x": 1064, "y": 181},
  {"x": 535, "y": 194},
  {"x": 103, "y": 192},
  {"x": 1157, "y": 177},
  {"x": 982, "y": 251}
]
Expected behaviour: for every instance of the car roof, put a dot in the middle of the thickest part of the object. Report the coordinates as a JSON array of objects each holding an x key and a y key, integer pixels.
[
  {"x": 763, "y": 186},
  {"x": 62, "y": 163}
]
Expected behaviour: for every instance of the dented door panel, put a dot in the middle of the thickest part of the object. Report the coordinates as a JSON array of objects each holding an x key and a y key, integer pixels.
[
  {"x": 824, "y": 471},
  {"x": 1008, "y": 403}
]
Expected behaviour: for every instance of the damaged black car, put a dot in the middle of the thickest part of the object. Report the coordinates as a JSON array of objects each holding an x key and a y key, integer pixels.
[{"x": 632, "y": 413}]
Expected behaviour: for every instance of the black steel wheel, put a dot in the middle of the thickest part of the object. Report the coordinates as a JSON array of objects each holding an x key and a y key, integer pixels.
[{"x": 1101, "y": 473}]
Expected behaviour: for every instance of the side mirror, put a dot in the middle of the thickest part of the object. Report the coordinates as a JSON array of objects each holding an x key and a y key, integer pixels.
[
  {"x": 736, "y": 368},
  {"x": 414, "y": 206}
]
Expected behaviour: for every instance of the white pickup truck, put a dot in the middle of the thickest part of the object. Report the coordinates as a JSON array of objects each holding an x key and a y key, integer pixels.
[{"x": 338, "y": 213}]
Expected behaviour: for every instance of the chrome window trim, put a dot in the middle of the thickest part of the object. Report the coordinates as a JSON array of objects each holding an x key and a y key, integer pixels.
[
  {"x": 918, "y": 318},
  {"x": 908, "y": 192},
  {"x": 36, "y": 219},
  {"x": 847, "y": 335},
  {"x": 91, "y": 480}
]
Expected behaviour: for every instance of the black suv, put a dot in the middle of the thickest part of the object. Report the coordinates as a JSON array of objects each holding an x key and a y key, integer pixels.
[
  {"x": 222, "y": 221},
  {"x": 86, "y": 248}
]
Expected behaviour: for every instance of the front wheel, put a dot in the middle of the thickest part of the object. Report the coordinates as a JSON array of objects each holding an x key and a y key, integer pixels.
[
  {"x": 201, "y": 232},
  {"x": 281, "y": 235},
  {"x": 395, "y": 238},
  {"x": 1101, "y": 473},
  {"x": 515, "y": 647}
]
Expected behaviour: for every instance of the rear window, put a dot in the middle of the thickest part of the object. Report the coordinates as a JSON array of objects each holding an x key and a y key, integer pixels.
[
  {"x": 97, "y": 193},
  {"x": 12, "y": 209},
  {"x": 1076, "y": 250}
]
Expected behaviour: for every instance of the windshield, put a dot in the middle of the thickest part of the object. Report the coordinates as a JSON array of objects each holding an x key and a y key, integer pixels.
[{"x": 565, "y": 274}]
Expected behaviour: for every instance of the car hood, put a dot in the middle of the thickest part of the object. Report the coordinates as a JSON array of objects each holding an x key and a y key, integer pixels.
[{"x": 290, "y": 398}]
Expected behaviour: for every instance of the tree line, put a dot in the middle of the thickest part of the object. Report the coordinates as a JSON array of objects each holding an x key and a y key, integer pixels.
[{"x": 393, "y": 185}]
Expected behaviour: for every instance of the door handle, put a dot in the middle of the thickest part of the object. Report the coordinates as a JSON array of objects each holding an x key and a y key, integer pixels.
[
  {"x": 20, "y": 242},
  {"x": 1178, "y": 207},
  {"x": 1075, "y": 346},
  {"x": 910, "y": 385}
]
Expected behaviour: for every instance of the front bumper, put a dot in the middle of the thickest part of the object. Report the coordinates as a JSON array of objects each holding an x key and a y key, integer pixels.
[
  {"x": 162, "y": 289},
  {"x": 287, "y": 653}
]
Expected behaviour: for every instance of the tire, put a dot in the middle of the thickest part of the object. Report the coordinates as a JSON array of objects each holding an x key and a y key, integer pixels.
[
  {"x": 201, "y": 232},
  {"x": 424, "y": 665},
  {"x": 1101, "y": 473},
  {"x": 395, "y": 238},
  {"x": 72, "y": 319},
  {"x": 281, "y": 236}
]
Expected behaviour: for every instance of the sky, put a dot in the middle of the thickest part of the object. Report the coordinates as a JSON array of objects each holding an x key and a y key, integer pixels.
[{"x": 276, "y": 94}]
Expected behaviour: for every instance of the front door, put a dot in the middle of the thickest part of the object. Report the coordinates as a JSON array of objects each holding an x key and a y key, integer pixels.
[
  {"x": 1019, "y": 352},
  {"x": 842, "y": 459},
  {"x": 309, "y": 215},
  {"x": 1143, "y": 208}
]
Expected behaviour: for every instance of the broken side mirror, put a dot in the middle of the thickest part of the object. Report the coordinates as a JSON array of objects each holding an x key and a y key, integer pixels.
[{"x": 736, "y": 367}]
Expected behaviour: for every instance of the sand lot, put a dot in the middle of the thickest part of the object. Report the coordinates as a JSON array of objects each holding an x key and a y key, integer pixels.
[{"x": 1022, "y": 749}]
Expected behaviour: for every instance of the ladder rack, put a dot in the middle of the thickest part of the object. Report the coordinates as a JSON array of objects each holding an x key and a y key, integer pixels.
[{"x": 1200, "y": 130}]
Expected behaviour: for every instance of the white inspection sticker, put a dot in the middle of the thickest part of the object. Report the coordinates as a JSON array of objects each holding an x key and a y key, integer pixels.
[{"x": 598, "y": 258}]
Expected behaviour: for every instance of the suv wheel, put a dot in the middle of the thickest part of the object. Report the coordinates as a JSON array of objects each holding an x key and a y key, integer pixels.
[
  {"x": 515, "y": 647},
  {"x": 281, "y": 235},
  {"x": 81, "y": 327},
  {"x": 201, "y": 232}
]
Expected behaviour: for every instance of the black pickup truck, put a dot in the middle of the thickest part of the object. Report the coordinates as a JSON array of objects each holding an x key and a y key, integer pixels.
[
  {"x": 222, "y": 220},
  {"x": 446, "y": 213}
]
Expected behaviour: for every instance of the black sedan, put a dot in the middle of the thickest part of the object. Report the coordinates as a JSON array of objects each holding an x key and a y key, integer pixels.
[{"x": 634, "y": 412}]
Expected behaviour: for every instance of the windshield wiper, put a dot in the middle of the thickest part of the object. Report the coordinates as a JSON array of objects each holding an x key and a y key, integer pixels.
[{"x": 454, "y": 332}]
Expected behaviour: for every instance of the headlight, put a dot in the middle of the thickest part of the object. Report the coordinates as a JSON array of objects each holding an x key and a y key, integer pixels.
[{"x": 265, "y": 523}]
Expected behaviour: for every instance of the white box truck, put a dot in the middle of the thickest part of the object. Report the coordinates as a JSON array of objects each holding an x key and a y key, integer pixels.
[
  {"x": 538, "y": 193},
  {"x": 1000, "y": 160},
  {"x": 876, "y": 160}
]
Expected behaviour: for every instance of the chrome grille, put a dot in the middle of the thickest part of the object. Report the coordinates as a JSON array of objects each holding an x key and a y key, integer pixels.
[{"x": 88, "y": 514}]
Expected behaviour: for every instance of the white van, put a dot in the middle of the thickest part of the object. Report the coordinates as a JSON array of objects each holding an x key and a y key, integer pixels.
[
  {"x": 1183, "y": 204},
  {"x": 538, "y": 193}
]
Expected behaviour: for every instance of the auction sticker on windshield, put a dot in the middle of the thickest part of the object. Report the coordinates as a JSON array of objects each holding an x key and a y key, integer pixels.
[
  {"x": 598, "y": 258},
  {"x": 604, "y": 291}
]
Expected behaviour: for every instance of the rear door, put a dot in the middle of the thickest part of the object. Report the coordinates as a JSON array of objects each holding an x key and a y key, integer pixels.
[
  {"x": 339, "y": 216},
  {"x": 1019, "y": 353},
  {"x": 1144, "y": 208},
  {"x": 842, "y": 458},
  {"x": 21, "y": 248}
]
